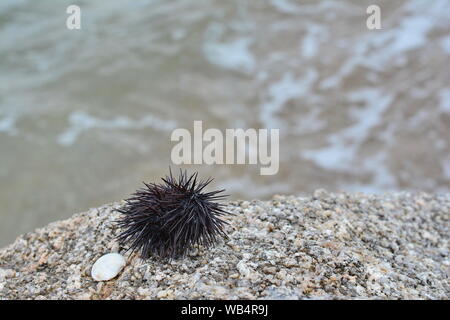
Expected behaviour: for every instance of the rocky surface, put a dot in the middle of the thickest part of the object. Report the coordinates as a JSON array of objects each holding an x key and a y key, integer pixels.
[{"x": 392, "y": 246}]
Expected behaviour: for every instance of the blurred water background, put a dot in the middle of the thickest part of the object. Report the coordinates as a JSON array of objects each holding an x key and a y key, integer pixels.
[{"x": 86, "y": 115}]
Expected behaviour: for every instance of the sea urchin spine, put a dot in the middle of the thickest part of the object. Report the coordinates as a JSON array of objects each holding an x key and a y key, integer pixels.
[{"x": 168, "y": 219}]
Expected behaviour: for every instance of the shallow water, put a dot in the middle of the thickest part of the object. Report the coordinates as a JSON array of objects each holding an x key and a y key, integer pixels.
[{"x": 86, "y": 115}]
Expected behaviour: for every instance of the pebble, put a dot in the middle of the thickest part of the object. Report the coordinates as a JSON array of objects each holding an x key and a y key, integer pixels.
[
  {"x": 107, "y": 267},
  {"x": 243, "y": 269}
]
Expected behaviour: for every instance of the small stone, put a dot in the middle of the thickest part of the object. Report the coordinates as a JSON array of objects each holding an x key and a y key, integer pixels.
[
  {"x": 243, "y": 269},
  {"x": 165, "y": 294},
  {"x": 7, "y": 273},
  {"x": 108, "y": 266},
  {"x": 83, "y": 296},
  {"x": 270, "y": 270}
]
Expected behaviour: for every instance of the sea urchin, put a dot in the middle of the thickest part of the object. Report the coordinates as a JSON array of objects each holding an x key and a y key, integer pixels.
[{"x": 168, "y": 219}]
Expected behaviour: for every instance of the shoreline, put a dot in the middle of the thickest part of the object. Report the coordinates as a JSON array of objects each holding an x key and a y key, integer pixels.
[{"x": 319, "y": 246}]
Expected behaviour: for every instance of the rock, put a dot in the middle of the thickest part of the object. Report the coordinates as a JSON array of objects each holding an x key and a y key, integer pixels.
[
  {"x": 6, "y": 273},
  {"x": 359, "y": 251},
  {"x": 243, "y": 269},
  {"x": 108, "y": 266}
]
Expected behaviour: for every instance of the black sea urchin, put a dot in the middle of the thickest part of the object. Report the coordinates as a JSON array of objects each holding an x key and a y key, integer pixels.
[{"x": 167, "y": 219}]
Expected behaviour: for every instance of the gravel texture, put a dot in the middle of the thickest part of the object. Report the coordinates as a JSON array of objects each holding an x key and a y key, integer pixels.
[{"x": 327, "y": 245}]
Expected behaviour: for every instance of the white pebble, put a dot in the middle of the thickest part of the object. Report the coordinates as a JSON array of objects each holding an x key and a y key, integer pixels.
[
  {"x": 243, "y": 269},
  {"x": 108, "y": 266}
]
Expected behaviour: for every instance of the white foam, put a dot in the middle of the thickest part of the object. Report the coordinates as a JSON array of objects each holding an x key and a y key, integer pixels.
[
  {"x": 285, "y": 6},
  {"x": 81, "y": 121},
  {"x": 382, "y": 178},
  {"x": 411, "y": 34},
  {"x": 294, "y": 7},
  {"x": 378, "y": 47},
  {"x": 446, "y": 168},
  {"x": 8, "y": 124},
  {"x": 376, "y": 103},
  {"x": 234, "y": 55},
  {"x": 445, "y": 44},
  {"x": 282, "y": 91},
  {"x": 419, "y": 117},
  {"x": 311, "y": 42},
  {"x": 342, "y": 148},
  {"x": 444, "y": 100},
  {"x": 10, "y": 4},
  {"x": 336, "y": 156},
  {"x": 310, "y": 122}
]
